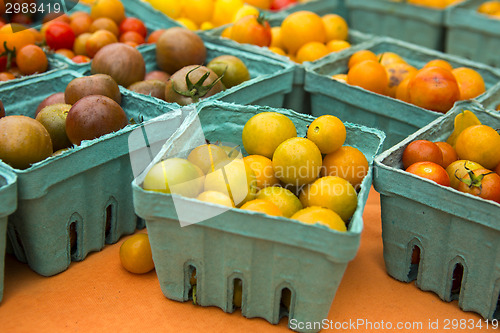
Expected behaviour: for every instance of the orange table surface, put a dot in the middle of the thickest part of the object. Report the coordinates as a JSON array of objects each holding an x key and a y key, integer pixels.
[{"x": 98, "y": 295}]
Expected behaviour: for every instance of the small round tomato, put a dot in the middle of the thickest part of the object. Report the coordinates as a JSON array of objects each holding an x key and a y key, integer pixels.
[
  {"x": 458, "y": 169},
  {"x": 431, "y": 171},
  {"x": 98, "y": 40},
  {"x": 483, "y": 183},
  {"x": 31, "y": 59},
  {"x": 449, "y": 153},
  {"x": 59, "y": 35},
  {"x": 6, "y": 76},
  {"x": 420, "y": 151},
  {"x": 65, "y": 52},
  {"x": 252, "y": 30},
  {"x": 80, "y": 59},
  {"x": 133, "y": 24},
  {"x": 132, "y": 36},
  {"x": 281, "y": 4},
  {"x": 135, "y": 254},
  {"x": 81, "y": 23},
  {"x": 155, "y": 35}
]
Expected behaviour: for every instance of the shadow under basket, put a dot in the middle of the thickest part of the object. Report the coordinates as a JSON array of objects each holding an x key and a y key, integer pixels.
[
  {"x": 284, "y": 267},
  {"x": 446, "y": 240}
]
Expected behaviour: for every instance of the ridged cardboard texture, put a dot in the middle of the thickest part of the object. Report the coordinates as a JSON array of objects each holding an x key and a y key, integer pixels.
[
  {"x": 471, "y": 34},
  {"x": 416, "y": 24},
  {"x": 267, "y": 253},
  {"x": 396, "y": 118},
  {"x": 298, "y": 99},
  {"x": 8, "y": 205},
  {"x": 451, "y": 228},
  {"x": 88, "y": 185}
]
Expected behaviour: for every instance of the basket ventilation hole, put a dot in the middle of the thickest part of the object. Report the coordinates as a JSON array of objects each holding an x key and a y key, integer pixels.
[
  {"x": 285, "y": 302},
  {"x": 456, "y": 283},
  {"x": 496, "y": 315},
  {"x": 415, "y": 261},
  {"x": 109, "y": 220},
  {"x": 237, "y": 293},
  {"x": 73, "y": 238},
  {"x": 193, "y": 283}
]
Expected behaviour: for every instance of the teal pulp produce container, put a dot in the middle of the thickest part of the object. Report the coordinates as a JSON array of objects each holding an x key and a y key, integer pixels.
[
  {"x": 491, "y": 99},
  {"x": 270, "y": 79},
  {"x": 8, "y": 205},
  {"x": 471, "y": 34},
  {"x": 320, "y": 7},
  {"x": 85, "y": 190},
  {"x": 297, "y": 99},
  {"x": 416, "y": 24},
  {"x": 396, "y": 118},
  {"x": 267, "y": 254},
  {"x": 457, "y": 234}
]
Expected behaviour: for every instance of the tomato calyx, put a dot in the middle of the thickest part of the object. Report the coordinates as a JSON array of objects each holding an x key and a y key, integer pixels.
[
  {"x": 197, "y": 90},
  {"x": 10, "y": 54},
  {"x": 474, "y": 181},
  {"x": 262, "y": 19}
]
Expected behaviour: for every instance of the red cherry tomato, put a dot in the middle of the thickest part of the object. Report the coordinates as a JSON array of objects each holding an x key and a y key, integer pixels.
[
  {"x": 132, "y": 36},
  {"x": 485, "y": 184},
  {"x": 420, "y": 151},
  {"x": 80, "y": 59},
  {"x": 431, "y": 171},
  {"x": 133, "y": 24},
  {"x": 59, "y": 35},
  {"x": 281, "y": 4}
]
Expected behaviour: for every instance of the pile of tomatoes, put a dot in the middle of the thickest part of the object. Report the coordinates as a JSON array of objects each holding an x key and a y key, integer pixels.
[
  {"x": 469, "y": 161},
  {"x": 436, "y": 86},
  {"x": 302, "y": 36},
  {"x": 80, "y": 35}
]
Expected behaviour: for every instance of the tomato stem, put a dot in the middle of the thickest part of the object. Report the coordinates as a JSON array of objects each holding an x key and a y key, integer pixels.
[
  {"x": 197, "y": 90},
  {"x": 10, "y": 54}
]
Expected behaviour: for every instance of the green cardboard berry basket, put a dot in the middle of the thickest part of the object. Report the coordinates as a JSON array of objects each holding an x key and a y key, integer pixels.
[
  {"x": 267, "y": 253},
  {"x": 452, "y": 229},
  {"x": 8, "y": 205},
  {"x": 320, "y": 7},
  {"x": 298, "y": 99},
  {"x": 86, "y": 188},
  {"x": 471, "y": 34},
  {"x": 491, "y": 99},
  {"x": 416, "y": 24},
  {"x": 270, "y": 79},
  {"x": 396, "y": 118}
]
